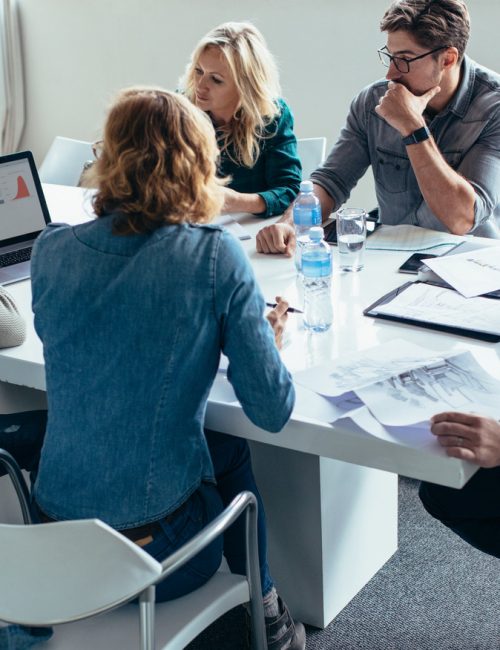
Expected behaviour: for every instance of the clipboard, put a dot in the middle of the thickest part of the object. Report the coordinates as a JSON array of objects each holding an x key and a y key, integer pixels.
[{"x": 372, "y": 311}]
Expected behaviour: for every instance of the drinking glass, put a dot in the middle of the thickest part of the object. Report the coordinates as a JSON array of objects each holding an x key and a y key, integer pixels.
[{"x": 351, "y": 238}]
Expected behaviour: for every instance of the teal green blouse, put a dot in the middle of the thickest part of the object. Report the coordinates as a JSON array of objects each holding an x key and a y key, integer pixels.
[{"x": 277, "y": 173}]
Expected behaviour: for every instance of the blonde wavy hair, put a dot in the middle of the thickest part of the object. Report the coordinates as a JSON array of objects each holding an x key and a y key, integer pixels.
[
  {"x": 157, "y": 164},
  {"x": 255, "y": 74}
]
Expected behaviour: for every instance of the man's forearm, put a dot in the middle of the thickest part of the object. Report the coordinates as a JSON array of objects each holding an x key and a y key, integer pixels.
[
  {"x": 449, "y": 196},
  {"x": 326, "y": 201}
]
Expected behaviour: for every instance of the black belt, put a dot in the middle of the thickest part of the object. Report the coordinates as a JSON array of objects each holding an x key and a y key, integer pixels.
[{"x": 140, "y": 533}]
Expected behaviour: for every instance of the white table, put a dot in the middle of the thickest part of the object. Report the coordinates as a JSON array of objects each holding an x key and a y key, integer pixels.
[{"x": 331, "y": 507}]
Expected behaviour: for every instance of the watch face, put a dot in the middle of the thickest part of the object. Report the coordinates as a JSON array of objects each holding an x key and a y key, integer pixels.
[{"x": 417, "y": 136}]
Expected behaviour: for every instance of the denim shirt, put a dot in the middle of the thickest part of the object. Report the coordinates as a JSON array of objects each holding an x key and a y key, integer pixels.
[
  {"x": 277, "y": 172},
  {"x": 132, "y": 330},
  {"x": 467, "y": 132}
]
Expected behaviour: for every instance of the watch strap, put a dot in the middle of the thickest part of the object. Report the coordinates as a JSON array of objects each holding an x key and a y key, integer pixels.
[{"x": 417, "y": 136}]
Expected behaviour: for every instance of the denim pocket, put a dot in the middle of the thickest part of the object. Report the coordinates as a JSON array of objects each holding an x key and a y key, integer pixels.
[
  {"x": 200, "y": 508},
  {"x": 391, "y": 171}
]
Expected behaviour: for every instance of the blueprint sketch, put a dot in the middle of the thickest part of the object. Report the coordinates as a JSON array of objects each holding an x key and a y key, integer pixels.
[
  {"x": 456, "y": 383},
  {"x": 353, "y": 371}
]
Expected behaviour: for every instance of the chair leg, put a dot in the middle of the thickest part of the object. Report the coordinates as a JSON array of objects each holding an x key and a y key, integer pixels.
[
  {"x": 15, "y": 474},
  {"x": 258, "y": 630},
  {"x": 147, "y": 618}
]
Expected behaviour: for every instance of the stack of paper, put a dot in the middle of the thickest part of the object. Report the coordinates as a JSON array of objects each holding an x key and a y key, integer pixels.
[
  {"x": 411, "y": 238},
  {"x": 230, "y": 223},
  {"x": 391, "y": 391},
  {"x": 472, "y": 273}
]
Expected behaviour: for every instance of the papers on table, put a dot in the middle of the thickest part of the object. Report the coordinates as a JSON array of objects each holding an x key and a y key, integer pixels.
[
  {"x": 428, "y": 304},
  {"x": 356, "y": 370},
  {"x": 472, "y": 273},
  {"x": 229, "y": 222},
  {"x": 456, "y": 383},
  {"x": 396, "y": 406},
  {"x": 411, "y": 238},
  {"x": 73, "y": 205}
]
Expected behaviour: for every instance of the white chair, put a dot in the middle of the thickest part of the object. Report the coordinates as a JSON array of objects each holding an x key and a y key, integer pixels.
[
  {"x": 65, "y": 161},
  {"x": 311, "y": 152},
  {"x": 64, "y": 572}
]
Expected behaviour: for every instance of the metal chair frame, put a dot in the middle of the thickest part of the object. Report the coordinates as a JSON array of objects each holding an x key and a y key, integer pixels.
[{"x": 245, "y": 502}]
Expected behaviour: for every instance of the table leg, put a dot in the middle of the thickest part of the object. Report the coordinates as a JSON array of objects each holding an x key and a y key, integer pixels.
[{"x": 331, "y": 527}]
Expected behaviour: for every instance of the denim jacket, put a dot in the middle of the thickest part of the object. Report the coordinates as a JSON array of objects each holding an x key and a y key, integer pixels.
[
  {"x": 132, "y": 330},
  {"x": 467, "y": 132}
]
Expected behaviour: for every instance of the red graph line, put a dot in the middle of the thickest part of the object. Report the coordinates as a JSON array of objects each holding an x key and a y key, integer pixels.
[{"x": 22, "y": 189}]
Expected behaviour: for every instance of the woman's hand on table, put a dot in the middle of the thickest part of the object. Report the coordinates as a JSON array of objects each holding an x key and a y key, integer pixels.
[{"x": 277, "y": 317}]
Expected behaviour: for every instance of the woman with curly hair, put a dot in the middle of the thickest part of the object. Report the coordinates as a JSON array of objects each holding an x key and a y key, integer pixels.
[{"x": 134, "y": 309}]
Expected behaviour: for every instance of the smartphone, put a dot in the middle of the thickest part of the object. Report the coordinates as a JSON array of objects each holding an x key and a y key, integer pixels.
[
  {"x": 331, "y": 230},
  {"x": 414, "y": 262}
]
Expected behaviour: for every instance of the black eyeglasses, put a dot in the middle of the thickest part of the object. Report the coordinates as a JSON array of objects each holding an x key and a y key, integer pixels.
[{"x": 402, "y": 64}]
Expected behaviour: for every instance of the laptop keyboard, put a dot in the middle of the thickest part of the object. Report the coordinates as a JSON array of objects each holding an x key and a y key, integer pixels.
[{"x": 15, "y": 257}]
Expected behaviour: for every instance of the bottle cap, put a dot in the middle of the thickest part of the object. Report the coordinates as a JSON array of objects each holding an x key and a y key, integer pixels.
[
  {"x": 316, "y": 233},
  {"x": 306, "y": 186}
]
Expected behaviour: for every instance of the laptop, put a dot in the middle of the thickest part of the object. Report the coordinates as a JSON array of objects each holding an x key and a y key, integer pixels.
[{"x": 23, "y": 214}]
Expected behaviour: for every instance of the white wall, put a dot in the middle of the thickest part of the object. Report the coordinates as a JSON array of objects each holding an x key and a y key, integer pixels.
[{"x": 78, "y": 53}]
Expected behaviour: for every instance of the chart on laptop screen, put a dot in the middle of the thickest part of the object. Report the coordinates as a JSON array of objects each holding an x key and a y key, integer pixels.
[{"x": 20, "y": 210}]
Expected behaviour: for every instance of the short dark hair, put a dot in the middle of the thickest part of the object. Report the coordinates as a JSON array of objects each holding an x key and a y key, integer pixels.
[{"x": 431, "y": 22}]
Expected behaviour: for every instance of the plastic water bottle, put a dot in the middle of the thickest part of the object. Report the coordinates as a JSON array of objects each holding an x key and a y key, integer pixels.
[
  {"x": 317, "y": 274},
  {"x": 306, "y": 214}
]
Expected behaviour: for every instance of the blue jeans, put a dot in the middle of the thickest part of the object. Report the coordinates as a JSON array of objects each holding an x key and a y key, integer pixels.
[
  {"x": 473, "y": 512},
  {"x": 201, "y": 508},
  {"x": 22, "y": 435},
  {"x": 233, "y": 472}
]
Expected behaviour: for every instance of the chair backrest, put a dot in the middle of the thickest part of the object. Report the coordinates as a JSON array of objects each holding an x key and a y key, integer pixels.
[
  {"x": 65, "y": 161},
  {"x": 93, "y": 566},
  {"x": 311, "y": 152},
  {"x": 70, "y": 570},
  {"x": 66, "y": 571}
]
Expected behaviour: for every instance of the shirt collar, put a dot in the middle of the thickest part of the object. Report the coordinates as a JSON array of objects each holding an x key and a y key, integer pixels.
[{"x": 461, "y": 100}]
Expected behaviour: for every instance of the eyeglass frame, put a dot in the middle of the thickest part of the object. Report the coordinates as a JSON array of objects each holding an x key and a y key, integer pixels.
[
  {"x": 97, "y": 148},
  {"x": 394, "y": 59}
]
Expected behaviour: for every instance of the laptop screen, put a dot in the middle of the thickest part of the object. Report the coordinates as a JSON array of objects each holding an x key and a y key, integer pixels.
[{"x": 23, "y": 211}]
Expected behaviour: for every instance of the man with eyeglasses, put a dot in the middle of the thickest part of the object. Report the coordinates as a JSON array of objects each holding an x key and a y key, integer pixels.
[{"x": 430, "y": 131}]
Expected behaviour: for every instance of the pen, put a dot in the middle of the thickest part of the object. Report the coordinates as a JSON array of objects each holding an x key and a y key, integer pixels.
[{"x": 291, "y": 310}]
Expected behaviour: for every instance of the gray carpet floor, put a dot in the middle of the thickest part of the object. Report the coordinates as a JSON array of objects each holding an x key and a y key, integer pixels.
[{"x": 435, "y": 593}]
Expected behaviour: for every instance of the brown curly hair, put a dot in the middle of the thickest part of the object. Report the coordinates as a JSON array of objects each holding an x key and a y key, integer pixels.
[{"x": 157, "y": 164}]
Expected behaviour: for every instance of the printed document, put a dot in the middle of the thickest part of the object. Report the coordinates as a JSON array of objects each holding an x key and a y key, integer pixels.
[
  {"x": 430, "y": 304},
  {"x": 392, "y": 390},
  {"x": 229, "y": 221},
  {"x": 471, "y": 273},
  {"x": 456, "y": 383},
  {"x": 353, "y": 371},
  {"x": 411, "y": 238}
]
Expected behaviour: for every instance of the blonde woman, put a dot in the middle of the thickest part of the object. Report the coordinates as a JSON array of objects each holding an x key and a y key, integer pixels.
[
  {"x": 233, "y": 77},
  {"x": 155, "y": 294}
]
